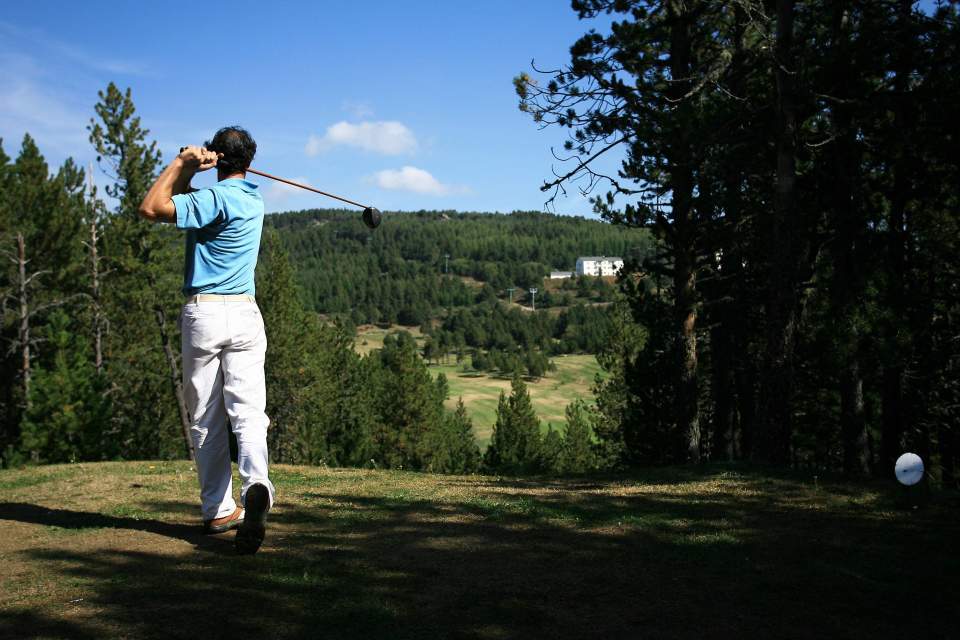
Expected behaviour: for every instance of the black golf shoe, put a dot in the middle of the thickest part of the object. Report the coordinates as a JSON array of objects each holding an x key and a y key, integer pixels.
[{"x": 254, "y": 525}]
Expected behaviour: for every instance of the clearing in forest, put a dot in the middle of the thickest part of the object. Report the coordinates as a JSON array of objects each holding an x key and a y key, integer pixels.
[
  {"x": 550, "y": 395},
  {"x": 573, "y": 379}
]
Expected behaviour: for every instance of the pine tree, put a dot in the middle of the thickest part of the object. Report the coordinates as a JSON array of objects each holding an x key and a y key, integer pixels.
[
  {"x": 409, "y": 403},
  {"x": 142, "y": 294},
  {"x": 577, "y": 455},
  {"x": 645, "y": 87},
  {"x": 69, "y": 406},
  {"x": 551, "y": 451},
  {"x": 41, "y": 262},
  {"x": 8, "y": 409},
  {"x": 286, "y": 370},
  {"x": 516, "y": 443},
  {"x": 451, "y": 446}
]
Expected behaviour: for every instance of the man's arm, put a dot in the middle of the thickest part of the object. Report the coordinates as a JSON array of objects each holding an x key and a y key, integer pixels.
[{"x": 158, "y": 206}]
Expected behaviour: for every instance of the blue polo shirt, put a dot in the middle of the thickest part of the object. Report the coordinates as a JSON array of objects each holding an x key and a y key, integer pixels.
[{"x": 223, "y": 225}]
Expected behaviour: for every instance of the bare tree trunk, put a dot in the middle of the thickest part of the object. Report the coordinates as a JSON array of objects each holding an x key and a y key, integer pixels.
[
  {"x": 947, "y": 442},
  {"x": 776, "y": 385},
  {"x": 745, "y": 377},
  {"x": 733, "y": 393},
  {"x": 846, "y": 286},
  {"x": 853, "y": 424},
  {"x": 688, "y": 407},
  {"x": 95, "y": 278},
  {"x": 23, "y": 328},
  {"x": 23, "y": 332},
  {"x": 891, "y": 420},
  {"x": 727, "y": 352},
  {"x": 722, "y": 441},
  {"x": 684, "y": 274},
  {"x": 175, "y": 380},
  {"x": 97, "y": 314},
  {"x": 892, "y": 414},
  {"x": 726, "y": 341}
]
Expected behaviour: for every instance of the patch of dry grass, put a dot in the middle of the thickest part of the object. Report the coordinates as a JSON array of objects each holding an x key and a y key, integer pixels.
[
  {"x": 370, "y": 337},
  {"x": 114, "y": 550}
]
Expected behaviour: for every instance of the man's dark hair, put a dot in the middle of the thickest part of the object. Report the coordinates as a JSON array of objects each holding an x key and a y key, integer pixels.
[{"x": 237, "y": 146}]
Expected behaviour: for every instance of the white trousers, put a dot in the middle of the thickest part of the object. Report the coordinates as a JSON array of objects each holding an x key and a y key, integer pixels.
[{"x": 223, "y": 345}]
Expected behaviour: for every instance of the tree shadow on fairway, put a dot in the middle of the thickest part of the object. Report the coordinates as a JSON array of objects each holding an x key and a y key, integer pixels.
[
  {"x": 67, "y": 519},
  {"x": 517, "y": 559}
]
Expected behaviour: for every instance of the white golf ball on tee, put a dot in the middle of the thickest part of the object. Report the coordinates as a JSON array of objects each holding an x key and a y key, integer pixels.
[{"x": 909, "y": 469}]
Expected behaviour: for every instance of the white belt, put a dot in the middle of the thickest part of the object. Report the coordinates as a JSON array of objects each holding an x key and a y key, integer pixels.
[{"x": 212, "y": 297}]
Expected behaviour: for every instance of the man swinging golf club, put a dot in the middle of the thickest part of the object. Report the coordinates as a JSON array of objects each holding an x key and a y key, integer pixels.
[{"x": 223, "y": 339}]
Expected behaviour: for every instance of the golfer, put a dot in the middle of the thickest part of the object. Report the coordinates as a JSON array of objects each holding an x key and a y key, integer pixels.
[{"x": 223, "y": 340}]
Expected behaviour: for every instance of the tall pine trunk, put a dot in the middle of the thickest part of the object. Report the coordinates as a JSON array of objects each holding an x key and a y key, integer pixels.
[
  {"x": 846, "y": 287},
  {"x": 23, "y": 329},
  {"x": 947, "y": 444},
  {"x": 95, "y": 294},
  {"x": 726, "y": 338},
  {"x": 852, "y": 422},
  {"x": 782, "y": 245},
  {"x": 684, "y": 251},
  {"x": 892, "y": 413},
  {"x": 722, "y": 387}
]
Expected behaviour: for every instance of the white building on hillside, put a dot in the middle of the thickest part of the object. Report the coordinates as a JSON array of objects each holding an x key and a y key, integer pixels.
[
  {"x": 598, "y": 265},
  {"x": 560, "y": 275}
]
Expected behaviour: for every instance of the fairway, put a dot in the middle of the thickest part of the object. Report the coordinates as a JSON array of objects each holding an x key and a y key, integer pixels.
[
  {"x": 115, "y": 550},
  {"x": 573, "y": 379},
  {"x": 370, "y": 337}
]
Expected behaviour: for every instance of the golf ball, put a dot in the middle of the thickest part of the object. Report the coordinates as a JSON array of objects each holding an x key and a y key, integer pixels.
[{"x": 909, "y": 469}]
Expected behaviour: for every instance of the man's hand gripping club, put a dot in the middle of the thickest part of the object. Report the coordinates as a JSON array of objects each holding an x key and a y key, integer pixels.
[{"x": 158, "y": 205}]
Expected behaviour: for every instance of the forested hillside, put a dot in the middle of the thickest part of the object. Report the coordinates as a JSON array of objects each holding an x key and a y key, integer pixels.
[
  {"x": 91, "y": 297},
  {"x": 396, "y": 273}
]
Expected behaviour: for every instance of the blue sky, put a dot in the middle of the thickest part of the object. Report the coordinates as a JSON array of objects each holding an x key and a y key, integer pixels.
[{"x": 404, "y": 105}]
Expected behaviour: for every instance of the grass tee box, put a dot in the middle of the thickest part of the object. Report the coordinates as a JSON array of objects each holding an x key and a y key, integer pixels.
[{"x": 115, "y": 550}]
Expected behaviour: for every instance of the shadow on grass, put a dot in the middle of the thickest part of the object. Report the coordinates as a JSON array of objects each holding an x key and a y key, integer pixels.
[
  {"x": 506, "y": 562},
  {"x": 66, "y": 519}
]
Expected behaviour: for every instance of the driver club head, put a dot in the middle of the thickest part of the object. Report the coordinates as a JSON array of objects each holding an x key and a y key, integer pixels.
[{"x": 371, "y": 217}]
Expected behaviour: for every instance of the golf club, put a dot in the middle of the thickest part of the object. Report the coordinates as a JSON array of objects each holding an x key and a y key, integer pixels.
[{"x": 371, "y": 215}]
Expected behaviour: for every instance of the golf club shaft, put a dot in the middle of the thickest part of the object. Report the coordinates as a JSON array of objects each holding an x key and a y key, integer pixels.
[{"x": 303, "y": 186}]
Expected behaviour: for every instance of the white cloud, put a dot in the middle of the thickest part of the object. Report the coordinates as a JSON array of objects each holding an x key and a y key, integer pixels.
[
  {"x": 385, "y": 137},
  {"x": 413, "y": 179}
]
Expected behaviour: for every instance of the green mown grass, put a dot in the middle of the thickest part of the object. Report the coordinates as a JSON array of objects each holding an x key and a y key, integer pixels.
[
  {"x": 115, "y": 550},
  {"x": 574, "y": 378}
]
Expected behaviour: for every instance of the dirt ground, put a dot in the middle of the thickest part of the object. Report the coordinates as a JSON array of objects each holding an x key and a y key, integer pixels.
[{"x": 115, "y": 550}]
